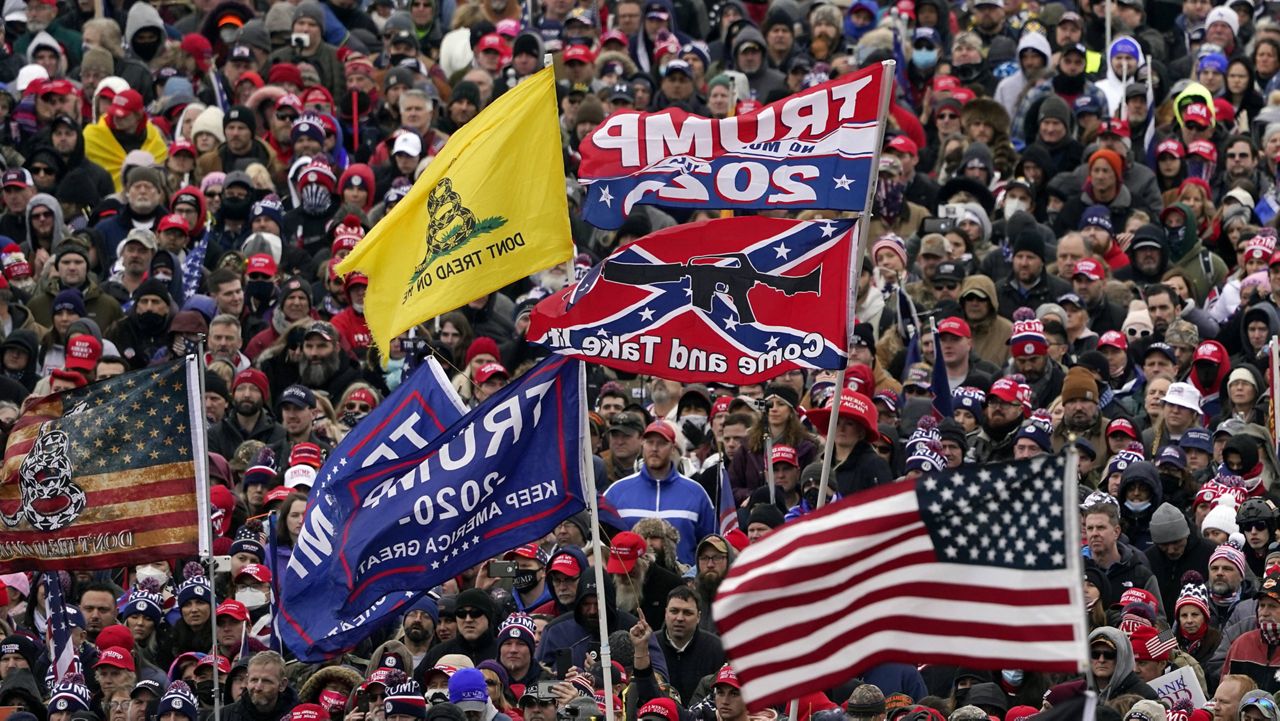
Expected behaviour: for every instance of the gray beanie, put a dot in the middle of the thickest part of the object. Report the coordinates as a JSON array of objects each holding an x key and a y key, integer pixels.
[
  {"x": 148, "y": 175},
  {"x": 1168, "y": 524},
  {"x": 1055, "y": 107},
  {"x": 279, "y": 18},
  {"x": 310, "y": 10},
  {"x": 255, "y": 34}
]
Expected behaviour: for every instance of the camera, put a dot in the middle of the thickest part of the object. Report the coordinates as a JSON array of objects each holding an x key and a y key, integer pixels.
[
  {"x": 300, "y": 40},
  {"x": 941, "y": 226}
]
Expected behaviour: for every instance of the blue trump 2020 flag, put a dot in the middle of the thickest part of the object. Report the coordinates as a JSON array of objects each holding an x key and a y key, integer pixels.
[
  {"x": 423, "y": 407},
  {"x": 504, "y": 475}
]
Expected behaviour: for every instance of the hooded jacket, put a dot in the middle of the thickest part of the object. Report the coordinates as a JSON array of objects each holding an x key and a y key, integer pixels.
[
  {"x": 1136, "y": 523},
  {"x": 27, "y": 339},
  {"x": 1113, "y": 85},
  {"x": 580, "y": 634},
  {"x": 1123, "y": 680},
  {"x": 397, "y": 648},
  {"x": 1011, "y": 90},
  {"x": 991, "y": 334},
  {"x": 765, "y": 81},
  {"x": 553, "y": 607},
  {"x": 1248, "y": 355},
  {"x": 1205, "y": 269},
  {"x": 59, "y": 225},
  {"x": 21, "y": 683}
]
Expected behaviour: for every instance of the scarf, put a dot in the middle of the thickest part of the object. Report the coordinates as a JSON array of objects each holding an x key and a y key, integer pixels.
[
  {"x": 1191, "y": 642},
  {"x": 1227, "y": 600},
  {"x": 1270, "y": 631}
]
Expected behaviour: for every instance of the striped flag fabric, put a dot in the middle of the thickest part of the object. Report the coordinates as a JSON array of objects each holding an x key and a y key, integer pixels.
[
  {"x": 1162, "y": 644},
  {"x": 57, "y": 632},
  {"x": 104, "y": 476},
  {"x": 973, "y": 567}
]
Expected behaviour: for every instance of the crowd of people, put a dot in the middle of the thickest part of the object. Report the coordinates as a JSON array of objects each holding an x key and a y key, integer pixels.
[{"x": 1079, "y": 212}]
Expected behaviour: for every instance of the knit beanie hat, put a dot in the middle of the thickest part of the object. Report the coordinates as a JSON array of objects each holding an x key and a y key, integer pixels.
[
  {"x": 970, "y": 399},
  {"x": 1055, "y": 108},
  {"x": 926, "y": 457},
  {"x": 468, "y": 691},
  {"x": 1138, "y": 320},
  {"x": 1039, "y": 428},
  {"x": 178, "y": 698},
  {"x": 146, "y": 603},
  {"x": 406, "y": 698},
  {"x": 196, "y": 587},
  {"x": 1194, "y": 594},
  {"x": 520, "y": 627},
  {"x": 1168, "y": 524},
  {"x": 71, "y": 695},
  {"x": 1079, "y": 385},
  {"x": 1027, "y": 338},
  {"x": 766, "y": 514},
  {"x": 1222, "y": 517},
  {"x": 23, "y": 646},
  {"x": 1229, "y": 553},
  {"x": 1112, "y": 158},
  {"x": 483, "y": 344},
  {"x": 890, "y": 242},
  {"x": 70, "y": 299}
]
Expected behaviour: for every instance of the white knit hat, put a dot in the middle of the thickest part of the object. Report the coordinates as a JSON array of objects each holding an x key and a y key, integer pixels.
[{"x": 1221, "y": 517}]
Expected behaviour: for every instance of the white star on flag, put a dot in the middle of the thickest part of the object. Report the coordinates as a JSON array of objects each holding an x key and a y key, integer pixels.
[
  {"x": 605, "y": 197},
  {"x": 844, "y": 182}
]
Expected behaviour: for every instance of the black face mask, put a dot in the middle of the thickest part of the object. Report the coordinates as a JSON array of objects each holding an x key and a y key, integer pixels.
[
  {"x": 811, "y": 497},
  {"x": 525, "y": 580},
  {"x": 145, "y": 50},
  {"x": 259, "y": 290},
  {"x": 962, "y": 694},
  {"x": 151, "y": 323},
  {"x": 967, "y": 73},
  {"x": 1068, "y": 84},
  {"x": 1170, "y": 480},
  {"x": 396, "y": 58},
  {"x": 236, "y": 208},
  {"x": 1206, "y": 374}
]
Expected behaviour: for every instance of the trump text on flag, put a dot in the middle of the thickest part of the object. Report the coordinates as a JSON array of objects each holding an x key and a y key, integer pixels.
[{"x": 811, "y": 150}]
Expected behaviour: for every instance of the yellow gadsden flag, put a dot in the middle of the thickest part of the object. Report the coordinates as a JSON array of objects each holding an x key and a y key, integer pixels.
[{"x": 488, "y": 210}]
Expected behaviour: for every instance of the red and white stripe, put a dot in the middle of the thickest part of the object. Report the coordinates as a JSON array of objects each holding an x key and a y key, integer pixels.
[{"x": 858, "y": 583}]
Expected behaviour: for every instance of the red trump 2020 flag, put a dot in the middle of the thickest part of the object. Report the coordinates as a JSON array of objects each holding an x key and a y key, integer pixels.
[
  {"x": 738, "y": 300},
  {"x": 813, "y": 149},
  {"x": 975, "y": 567}
]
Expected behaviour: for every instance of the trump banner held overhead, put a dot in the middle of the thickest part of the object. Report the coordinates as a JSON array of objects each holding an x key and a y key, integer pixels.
[
  {"x": 505, "y": 474},
  {"x": 813, "y": 149},
  {"x": 738, "y": 300},
  {"x": 406, "y": 422}
]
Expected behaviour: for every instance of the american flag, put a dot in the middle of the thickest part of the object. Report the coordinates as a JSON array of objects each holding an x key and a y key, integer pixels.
[
  {"x": 1161, "y": 645},
  {"x": 57, "y": 634},
  {"x": 974, "y": 567}
]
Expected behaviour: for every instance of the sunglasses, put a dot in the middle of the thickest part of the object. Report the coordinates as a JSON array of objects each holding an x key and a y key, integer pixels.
[
  {"x": 1239, "y": 156},
  {"x": 1197, "y": 127},
  {"x": 1102, "y": 653},
  {"x": 1253, "y": 526},
  {"x": 41, "y": 216},
  {"x": 948, "y": 116},
  {"x": 286, "y": 117},
  {"x": 1138, "y": 332},
  {"x": 41, "y": 170},
  {"x": 946, "y": 285},
  {"x": 469, "y": 613},
  {"x": 358, "y": 407},
  {"x": 212, "y": 194}
]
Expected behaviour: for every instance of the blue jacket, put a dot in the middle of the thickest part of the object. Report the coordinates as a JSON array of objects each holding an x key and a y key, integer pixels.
[{"x": 680, "y": 501}]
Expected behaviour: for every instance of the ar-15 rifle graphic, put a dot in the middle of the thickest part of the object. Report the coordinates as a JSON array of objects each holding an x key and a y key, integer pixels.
[{"x": 732, "y": 274}]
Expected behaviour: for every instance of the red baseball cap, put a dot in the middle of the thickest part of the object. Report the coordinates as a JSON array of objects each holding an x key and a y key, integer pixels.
[
  {"x": 726, "y": 676},
  {"x": 224, "y": 664},
  {"x": 615, "y": 36},
  {"x": 307, "y": 454},
  {"x": 1089, "y": 268},
  {"x": 903, "y": 144},
  {"x": 784, "y": 454},
  {"x": 172, "y": 221},
  {"x": 579, "y": 54},
  {"x": 83, "y": 352},
  {"x": 1115, "y": 126},
  {"x": 1124, "y": 427},
  {"x": 1203, "y": 149},
  {"x": 661, "y": 428},
  {"x": 126, "y": 102},
  {"x": 568, "y": 565},
  {"x": 116, "y": 657},
  {"x": 234, "y": 609},
  {"x": 261, "y": 263},
  {"x": 1011, "y": 391},
  {"x": 1171, "y": 146},
  {"x": 494, "y": 42},
  {"x": 1115, "y": 339},
  {"x": 489, "y": 370},
  {"x": 1198, "y": 112},
  {"x": 1209, "y": 351},
  {"x": 181, "y": 146},
  {"x": 663, "y": 708},
  {"x": 721, "y": 406},
  {"x": 624, "y": 551},
  {"x": 279, "y": 493},
  {"x": 945, "y": 83},
  {"x": 954, "y": 326},
  {"x": 256, "y": 571},
  {"x": 308, "y": 712},
  {"x": 528, "y": 550}
]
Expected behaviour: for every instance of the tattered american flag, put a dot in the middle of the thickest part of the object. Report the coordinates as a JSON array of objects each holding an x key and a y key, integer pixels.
[{"x": 977, "y": 567}]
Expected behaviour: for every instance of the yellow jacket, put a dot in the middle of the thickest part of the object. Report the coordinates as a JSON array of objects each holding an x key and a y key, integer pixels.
[{"x": 101, "y": 147}]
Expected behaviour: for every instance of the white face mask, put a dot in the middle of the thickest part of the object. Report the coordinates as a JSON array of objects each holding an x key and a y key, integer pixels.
[
  {"x": 252, "y": 598},
  {"x": 1013, "y": 205},
  {"x": 155, "y": 574}
]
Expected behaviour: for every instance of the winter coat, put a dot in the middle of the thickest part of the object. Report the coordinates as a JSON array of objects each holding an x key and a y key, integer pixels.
[
  {"x": 703, "y": 655},
  {"x": 863, "y": 468},
  {"x": 101, "y": 307},
  {"x": 1251, "y": 656},
  {"x": 1168, "y": 571},
  {"x": 227, "y": 436},
  {"x": 1205, "y": 269},
  {"x": 1123, "y": 680},
  {"x": 243, "y": 710},
  {"x": 673, "y": 498},
  {"x": 573, "y": 631},
  {"x": 1130, "y": 572},
  {"x": 991, "y": 334}
]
